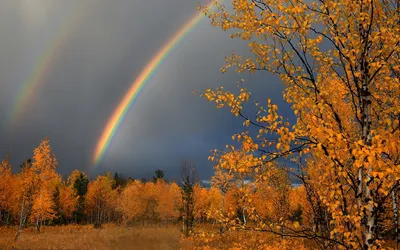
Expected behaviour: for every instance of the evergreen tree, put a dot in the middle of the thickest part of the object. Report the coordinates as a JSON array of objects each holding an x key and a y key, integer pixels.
[
  {"x": 81, "y": 187},
  {"x": 119, "y": 181},
  {"x": 26, "y": 163},
  {"x": 158, "y": 174},
  {"x": 189, "y": 179}
]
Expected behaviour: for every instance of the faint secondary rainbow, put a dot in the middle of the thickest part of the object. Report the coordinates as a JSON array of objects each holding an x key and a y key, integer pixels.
[
  {"x": 137, "y": 85},
  {"x": 45, "y": 63}
]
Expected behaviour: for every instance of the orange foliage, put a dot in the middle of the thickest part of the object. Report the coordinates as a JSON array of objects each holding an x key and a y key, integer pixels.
[
  {"x": 131, "y": 201},
  {"x": 101, "y": 199},
  {"x": 298, "y": 202},
  {"x": 68, "y": 200},
  {"x": 339, "y": 63},
  {"x": 166, "y": 198},
  {"x": 149, "y": 201},
  {"x": 200, "y": 202},
  {"x": 43, "y": 166},
  {"x": 7, "y": 186}
]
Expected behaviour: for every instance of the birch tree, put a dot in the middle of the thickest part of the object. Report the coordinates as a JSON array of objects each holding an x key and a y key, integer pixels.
[{"x": 339, "y": 64}]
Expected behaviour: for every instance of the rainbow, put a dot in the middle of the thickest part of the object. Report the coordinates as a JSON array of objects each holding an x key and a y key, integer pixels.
[
  {"x": 138, "y": 84},
  {"x": 45, "y": 63}
]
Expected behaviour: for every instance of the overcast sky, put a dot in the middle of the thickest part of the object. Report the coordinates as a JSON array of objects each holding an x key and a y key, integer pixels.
[{"x": 102, "y": 46}]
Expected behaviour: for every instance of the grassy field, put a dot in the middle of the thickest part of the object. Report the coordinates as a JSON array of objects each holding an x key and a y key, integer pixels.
[
  {"x": 142, "y": 237},
  {"x": 87, "y": 238}
]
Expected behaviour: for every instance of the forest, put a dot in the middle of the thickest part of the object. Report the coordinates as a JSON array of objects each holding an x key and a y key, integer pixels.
[
  {"x": 37, "y": 196},
  {"x": 339, "y": 64}
]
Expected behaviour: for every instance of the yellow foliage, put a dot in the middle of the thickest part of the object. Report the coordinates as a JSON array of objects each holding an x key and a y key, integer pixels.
[{"x": 339, "y": 64}]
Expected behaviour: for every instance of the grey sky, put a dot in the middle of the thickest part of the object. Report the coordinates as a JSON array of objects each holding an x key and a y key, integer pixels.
[{"x": 101, "y": 56}]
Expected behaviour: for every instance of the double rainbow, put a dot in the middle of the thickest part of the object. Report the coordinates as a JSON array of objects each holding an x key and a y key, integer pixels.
[{"x": 138, "y": 84}]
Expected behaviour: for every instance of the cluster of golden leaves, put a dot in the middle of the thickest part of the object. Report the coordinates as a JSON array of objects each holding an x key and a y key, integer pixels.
[
  {"x": 159, "y": 200},
  {"x": 101, "y": 198}
]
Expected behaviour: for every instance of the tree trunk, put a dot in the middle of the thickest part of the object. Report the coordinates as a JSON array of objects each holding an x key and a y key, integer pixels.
[
  {"x": 22, "y": 219},
  {"x": 396, "y": 218},
  {"x": 369, "y": 220},
  {"x": 187, "y": 219},
  {"x": 21, "y": 223},
  {"x": 38, "y": 224},
  {"x": 8, "y": 218},
  {"x": 185, "y": 228},
  {"x": 244, "y": 217}
]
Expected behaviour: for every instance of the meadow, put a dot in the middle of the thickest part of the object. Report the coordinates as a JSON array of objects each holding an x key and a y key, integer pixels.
[
  {"x": 87, "y": 238},
  {"x": 110, "y": 236}
]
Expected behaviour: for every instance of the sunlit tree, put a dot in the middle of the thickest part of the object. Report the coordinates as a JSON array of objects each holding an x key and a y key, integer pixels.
[
  {"x": 339, "y": 63},
  {"x": 131, "y": 202},
  {"x": 44, "y": 166},
  {"x": 165, "y": 197},
  {"x": 100, "y": 199},
  {"x": 68, "y": 200},
  {"x": 7, "y": 190}
]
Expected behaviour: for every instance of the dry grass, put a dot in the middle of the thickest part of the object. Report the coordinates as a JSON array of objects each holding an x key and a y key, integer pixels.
[
  {"x": 144, "y": 237},
  {"x": 141, "y": 237},
  {"x": 85, "y": 238},
  {"x": 208, "y": 238}
]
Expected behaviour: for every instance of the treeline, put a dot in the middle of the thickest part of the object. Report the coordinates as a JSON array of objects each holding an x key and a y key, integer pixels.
[
  {"x": 267, "y": 201},
  {"x": 37, "y": 195}
]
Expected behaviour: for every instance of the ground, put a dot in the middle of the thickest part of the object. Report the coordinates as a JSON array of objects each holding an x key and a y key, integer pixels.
[
  {"x": 88, "y": 238},
  {"x": 150, "y": 237}
]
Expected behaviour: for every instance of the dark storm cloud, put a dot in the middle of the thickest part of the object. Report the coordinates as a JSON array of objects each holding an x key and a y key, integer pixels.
[{"x": 110, "y": 46}]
